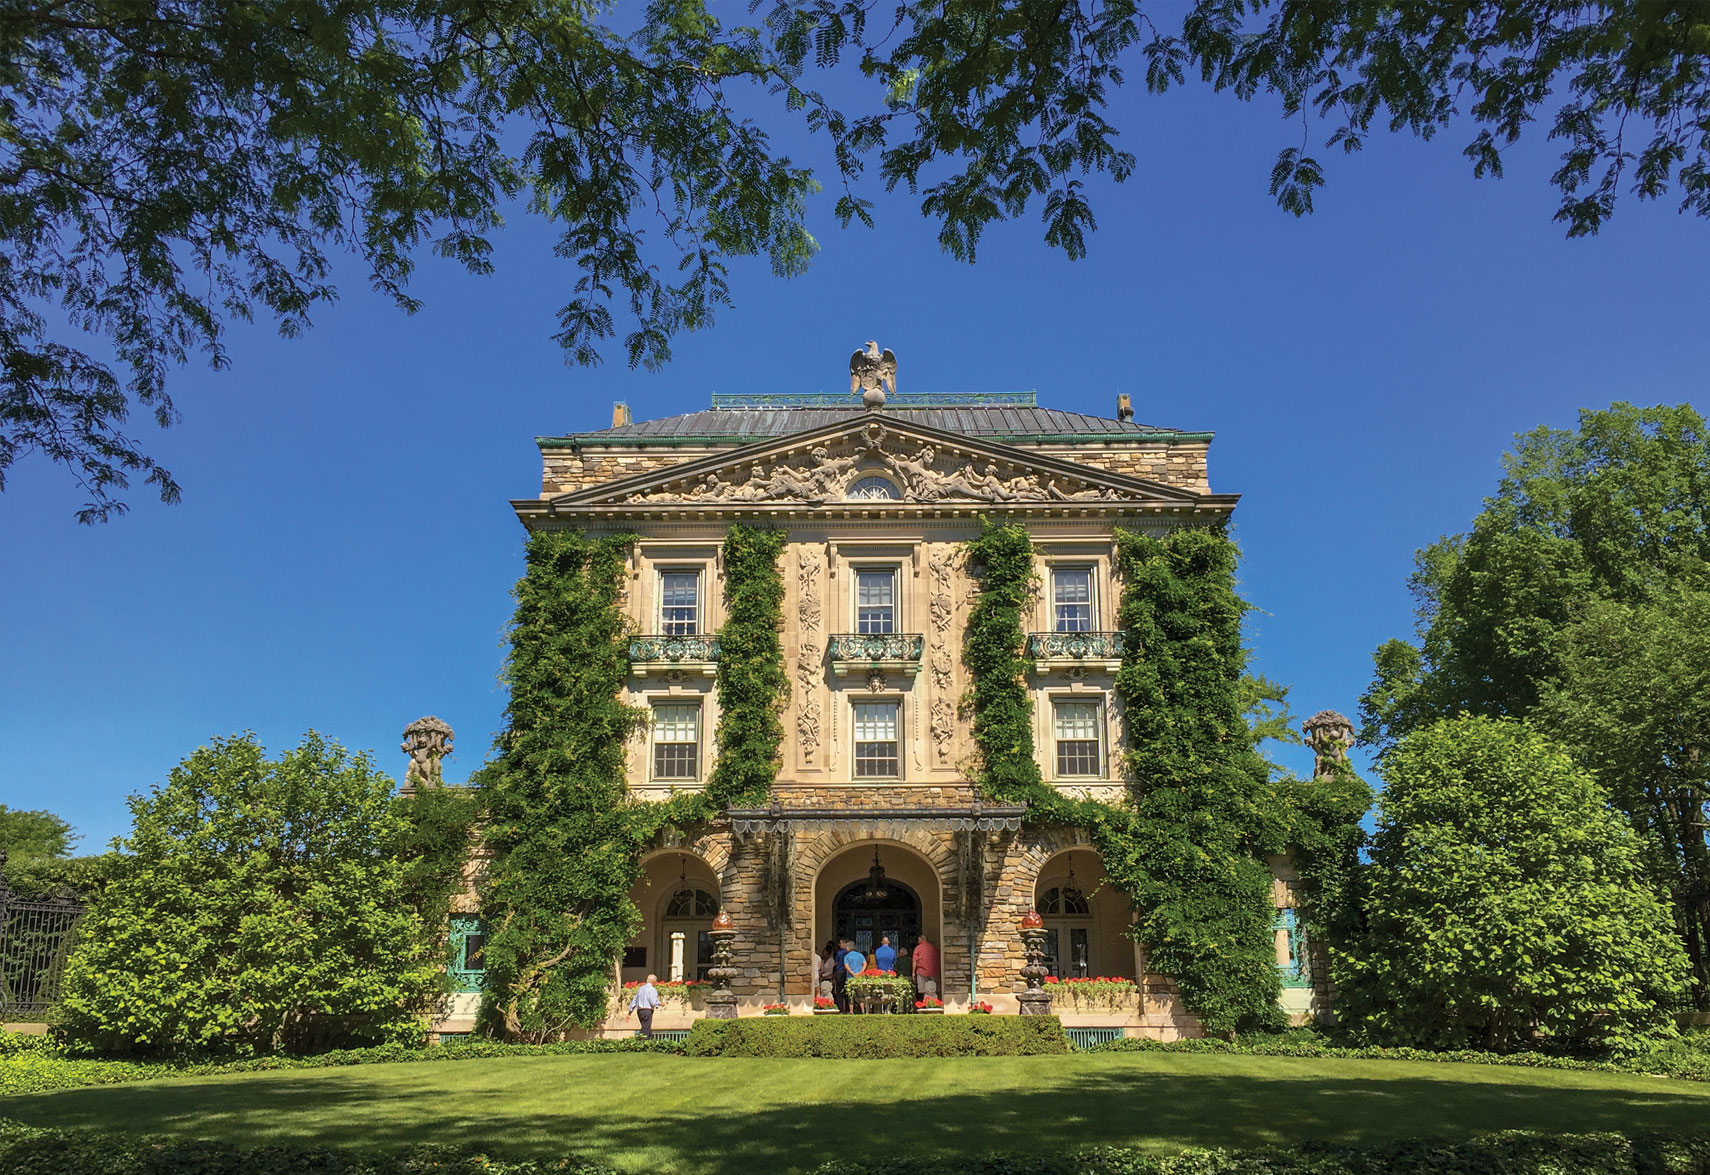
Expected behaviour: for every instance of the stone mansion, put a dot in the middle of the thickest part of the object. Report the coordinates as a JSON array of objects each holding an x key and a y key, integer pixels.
[{"x": 886, "y": 835}]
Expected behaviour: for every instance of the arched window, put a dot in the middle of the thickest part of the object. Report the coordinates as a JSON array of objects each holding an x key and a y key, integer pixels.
[
  {"x": 691, "y": 904},
  {"x": 1052, "y": 902},
  {"x": 874, "y": 488}
]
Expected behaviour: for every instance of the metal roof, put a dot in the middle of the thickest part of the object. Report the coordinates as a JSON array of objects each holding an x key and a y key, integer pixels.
[{"x": 757, "y": 423}]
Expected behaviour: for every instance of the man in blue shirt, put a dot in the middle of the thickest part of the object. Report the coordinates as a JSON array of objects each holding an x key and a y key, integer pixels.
[
  {"x": 642, "y": 1003},
  {"x": 885, "y": 958}
]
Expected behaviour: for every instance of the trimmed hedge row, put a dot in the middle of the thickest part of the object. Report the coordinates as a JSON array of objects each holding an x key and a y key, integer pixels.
[
  {"x": 858, "y": 1038},
  {"x": 28, "y": 1150},
  {"x": 1688, "y": 1059},
  {"x": 1508, "y": 1153},
  {"x": 41, "y": 1066}
]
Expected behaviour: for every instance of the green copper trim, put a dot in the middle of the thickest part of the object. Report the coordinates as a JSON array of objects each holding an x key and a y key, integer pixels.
[
  {"x": 581, "y": 440},
  {"x": 1027, "y": 399}
]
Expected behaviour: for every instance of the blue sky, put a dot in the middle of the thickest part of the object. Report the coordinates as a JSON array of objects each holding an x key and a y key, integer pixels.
[{"x": 344, "y": 551}]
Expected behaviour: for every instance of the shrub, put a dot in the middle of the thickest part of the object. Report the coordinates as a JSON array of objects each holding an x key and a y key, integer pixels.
[
  {"x": 1506, "y": 905},
  {"x": 255, "y": 904},
  {"x": 26, "y": 1150},
  {"x": 863, "y": 1037}
]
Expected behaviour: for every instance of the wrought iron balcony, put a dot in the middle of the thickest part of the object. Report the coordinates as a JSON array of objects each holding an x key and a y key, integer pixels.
[
  {"x": 659, "y": 654},
  {"x": 858, "y": 652},
  {"x": 1064, "y": 650}
]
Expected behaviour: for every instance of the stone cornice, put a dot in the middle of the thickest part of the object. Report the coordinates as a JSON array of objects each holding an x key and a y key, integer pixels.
[{"x": 533, "y": 512}]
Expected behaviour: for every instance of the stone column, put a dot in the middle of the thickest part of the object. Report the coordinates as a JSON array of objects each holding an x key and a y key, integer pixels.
[
  {"x": 677, "y": 937},
  {"x": 721, "y": 1001}
]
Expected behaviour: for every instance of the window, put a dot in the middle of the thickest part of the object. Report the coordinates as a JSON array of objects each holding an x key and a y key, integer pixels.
[
  {"x": 1077, "y": 735},
  {"x": 876, "y": 600},
  {"x": 691, "y": 903},
  {"x": 873, "y": 488},
  {"x": 468, "y": 968},
  {"x": 676, "y": 740},
  {"x": 1052, "y": 902},
  {"x": 634, "y": 958},
  {"x": 679, "y": 603},
  {"x": 1071, "y": 599},
  {"x": 876, "y": 739}
]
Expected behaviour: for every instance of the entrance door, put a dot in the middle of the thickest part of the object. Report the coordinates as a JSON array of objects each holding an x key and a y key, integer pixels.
[{"x": 865, "y": 921}]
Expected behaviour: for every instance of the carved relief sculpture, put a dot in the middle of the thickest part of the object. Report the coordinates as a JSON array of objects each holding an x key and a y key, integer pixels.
[
  {"x": 941, "y": 610},
  {"x": 427, "y": 741},
  {"x": 808, "y": 651}
]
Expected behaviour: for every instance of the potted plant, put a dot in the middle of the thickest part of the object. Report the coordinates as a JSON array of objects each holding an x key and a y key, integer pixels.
[
  {"x": 881, "y": 991},
  {"x": 824, "y": 1007},
  {"x": 979, "y": 1008},
  {"x": 775, "y": 1010},
  {"x": 930, "y": 1006}
]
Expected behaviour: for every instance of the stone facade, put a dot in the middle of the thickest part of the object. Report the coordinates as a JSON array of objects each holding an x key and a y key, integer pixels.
[{"x": 877, "y": 504}]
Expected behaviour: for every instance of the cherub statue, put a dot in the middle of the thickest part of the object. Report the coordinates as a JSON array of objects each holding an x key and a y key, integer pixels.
[{"x": 426, "y": 742}]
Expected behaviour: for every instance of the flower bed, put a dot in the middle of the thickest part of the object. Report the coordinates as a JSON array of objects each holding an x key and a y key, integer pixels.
[
  {"x": 691, "y": 993},
  {"x": 775, "y": 1010},
  {"x": 1090, "y": 992},
  {"x": 873, "y": 985}
]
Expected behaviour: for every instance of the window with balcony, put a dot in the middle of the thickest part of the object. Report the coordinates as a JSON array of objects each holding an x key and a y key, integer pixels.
[
  {"x": 1079, "y": 747},
  {"x": 1072, "y": 599},
  {"x": 876, "y": 600},
  {"x": 676, "y": 741},
  {"x": 679, "y": 603},
  {"x": 876, "y": 727}
]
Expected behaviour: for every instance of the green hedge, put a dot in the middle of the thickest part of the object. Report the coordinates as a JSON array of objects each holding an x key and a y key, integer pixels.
[
  {"x": 26, "y": 1150},
  {"x": 36, "y": 1064},
  {"x": 1508, "y": 1153},
  {"x": 865, "y": 1037},
  {"x": 1687, "y": 1059}
]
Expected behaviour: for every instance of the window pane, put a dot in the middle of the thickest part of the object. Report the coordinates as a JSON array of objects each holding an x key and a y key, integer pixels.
[
  {"x": 1071, "y": 597},
  {"x": 1077, "y": 720},
  {"x": 875, "y": 601},
  {"x": 676, "y": 741},
  {"x": 876, "y": 739},
  {"x": 679, "y": 602}
]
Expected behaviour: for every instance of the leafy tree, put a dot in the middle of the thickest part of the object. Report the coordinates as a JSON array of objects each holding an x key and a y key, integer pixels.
[
  {"x": 167, "y": 168},
  {"x": 1633, "y": 703},
  {"x": 254, "y": 904},
  {"x": 1588, "y": 556},
  {"x": 1506, "y": 904},
  {"x": 34, "y": 834}
]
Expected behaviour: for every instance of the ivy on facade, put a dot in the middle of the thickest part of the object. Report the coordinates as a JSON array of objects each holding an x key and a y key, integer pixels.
[
  {"x": 1188, "y": 844},
  {"x": 556, "y": 793},
  {"x": 561, "y": 832}
]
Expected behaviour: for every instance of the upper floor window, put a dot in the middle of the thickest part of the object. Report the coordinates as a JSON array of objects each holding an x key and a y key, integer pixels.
[
  {"x": 874, "y": 487},
  {"x": 876, "y": 726},
  {"x": 1076, "y": 726},
  {"x": 680, "y": 603},
  {"x": 1071, "y": 599},
  {"x": 876, "y": 599},
  {"x": 676, "y": 740}
]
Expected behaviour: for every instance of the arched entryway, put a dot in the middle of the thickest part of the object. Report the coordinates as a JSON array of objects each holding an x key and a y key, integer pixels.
[
  {"x": 845, "y": 905},
  {"x": 678, "y": 894},
  {"x": 1084, "y": 916}
]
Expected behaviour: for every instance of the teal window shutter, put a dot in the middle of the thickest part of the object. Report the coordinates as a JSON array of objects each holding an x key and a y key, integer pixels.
[
  {"x": 468, "y": 940},
  {"x": 1293, "y": 973}
]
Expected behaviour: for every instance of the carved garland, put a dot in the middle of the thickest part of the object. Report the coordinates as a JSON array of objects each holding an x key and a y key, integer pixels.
[
  {"x": 941, "y": 611},
  {"x": 808, "y": 569}
]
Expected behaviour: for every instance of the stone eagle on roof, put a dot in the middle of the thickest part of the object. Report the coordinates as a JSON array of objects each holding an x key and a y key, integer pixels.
[{"x": 872, "y": 372}]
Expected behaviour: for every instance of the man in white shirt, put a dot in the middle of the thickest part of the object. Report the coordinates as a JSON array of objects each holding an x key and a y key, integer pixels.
[{"x": 642, "y": 1003}]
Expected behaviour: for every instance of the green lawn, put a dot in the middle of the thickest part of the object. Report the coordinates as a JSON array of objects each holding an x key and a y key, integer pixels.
[{"x": 763, "y": 1117}]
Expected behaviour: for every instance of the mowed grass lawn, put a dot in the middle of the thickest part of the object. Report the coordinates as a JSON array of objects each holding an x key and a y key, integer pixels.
[{"x": 645, "y": 1113}]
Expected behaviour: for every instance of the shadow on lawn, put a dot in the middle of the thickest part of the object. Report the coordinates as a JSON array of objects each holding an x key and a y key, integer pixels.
[{"x": 881, "y": 1114}]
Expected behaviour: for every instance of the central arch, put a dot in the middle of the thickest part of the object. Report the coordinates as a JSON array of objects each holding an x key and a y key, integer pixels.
[{"x": 913, "y": 907}]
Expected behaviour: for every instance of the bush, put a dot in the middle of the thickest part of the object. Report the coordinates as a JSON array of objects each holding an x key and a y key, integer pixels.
[
  {"x": 26, "y": 1150},
  {"x": 1507, "y": 906},
  {"x": 1511, "y": 1153},
  {"x": 41, "y": 1068},
  {"x": 872, "y": 1037}
]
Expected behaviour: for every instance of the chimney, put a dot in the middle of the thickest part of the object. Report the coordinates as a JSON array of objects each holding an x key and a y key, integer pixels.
[
  {"x": 620, "y": 415},
  {"x": 1124, "y": 412}
]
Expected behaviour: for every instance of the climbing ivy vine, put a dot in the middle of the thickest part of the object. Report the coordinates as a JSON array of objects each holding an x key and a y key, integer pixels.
[
  {"x": 556, "y": 794},
  {"x": 1188, "y": 844},
  {"x": 562, "y": 837}
]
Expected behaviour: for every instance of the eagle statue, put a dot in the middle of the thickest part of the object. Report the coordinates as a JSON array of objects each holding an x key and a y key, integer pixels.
[{"x": 871, "y": 372}]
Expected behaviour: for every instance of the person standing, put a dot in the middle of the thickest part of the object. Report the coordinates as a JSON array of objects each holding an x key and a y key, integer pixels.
[
  {"x": 925, "y": 964},
  {"x": 854, "y": 962},
  {"x": 840, "y": 976},
  {"x": 642, "y": 1003},
  {"x": 885, "y": 958},
  {"x": 825, "y": 984}
]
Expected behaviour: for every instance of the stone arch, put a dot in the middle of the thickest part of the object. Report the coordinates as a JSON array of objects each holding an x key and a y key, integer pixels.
[
  {"x": 1082, "y": 944},
  {"x": 663, "y": 871},
  {"x": 915, "y": 859}
]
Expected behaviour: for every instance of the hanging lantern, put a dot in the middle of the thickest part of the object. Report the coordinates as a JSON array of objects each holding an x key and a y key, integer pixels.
[
  {"x": 685, "y": 895},
  {"x": 878, "y": 888},
  {"x": 1071, "y": 893}
]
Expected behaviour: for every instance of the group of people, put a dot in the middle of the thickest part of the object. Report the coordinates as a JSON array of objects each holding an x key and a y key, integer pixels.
[{"x": 839, "y": 959}]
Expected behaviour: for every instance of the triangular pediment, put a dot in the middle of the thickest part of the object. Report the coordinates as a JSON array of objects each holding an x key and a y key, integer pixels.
[{"x": 878, "y": 460}]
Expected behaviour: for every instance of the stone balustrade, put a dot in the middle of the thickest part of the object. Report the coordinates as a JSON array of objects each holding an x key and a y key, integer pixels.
[
  {"x": 657, "y": 653},
  {"x": 1091, "y": 650},
  {"x": 862, "y": 652}
]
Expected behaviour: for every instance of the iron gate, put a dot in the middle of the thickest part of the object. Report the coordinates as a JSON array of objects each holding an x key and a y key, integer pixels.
[{"x": 35, "y": 938}]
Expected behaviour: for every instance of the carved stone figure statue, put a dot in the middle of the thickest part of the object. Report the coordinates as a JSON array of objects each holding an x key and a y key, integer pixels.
[
  {"x": 871, "y": 372},
  {"x": 1329, "y": 734},
  {"x": 426, "y": 741}
]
